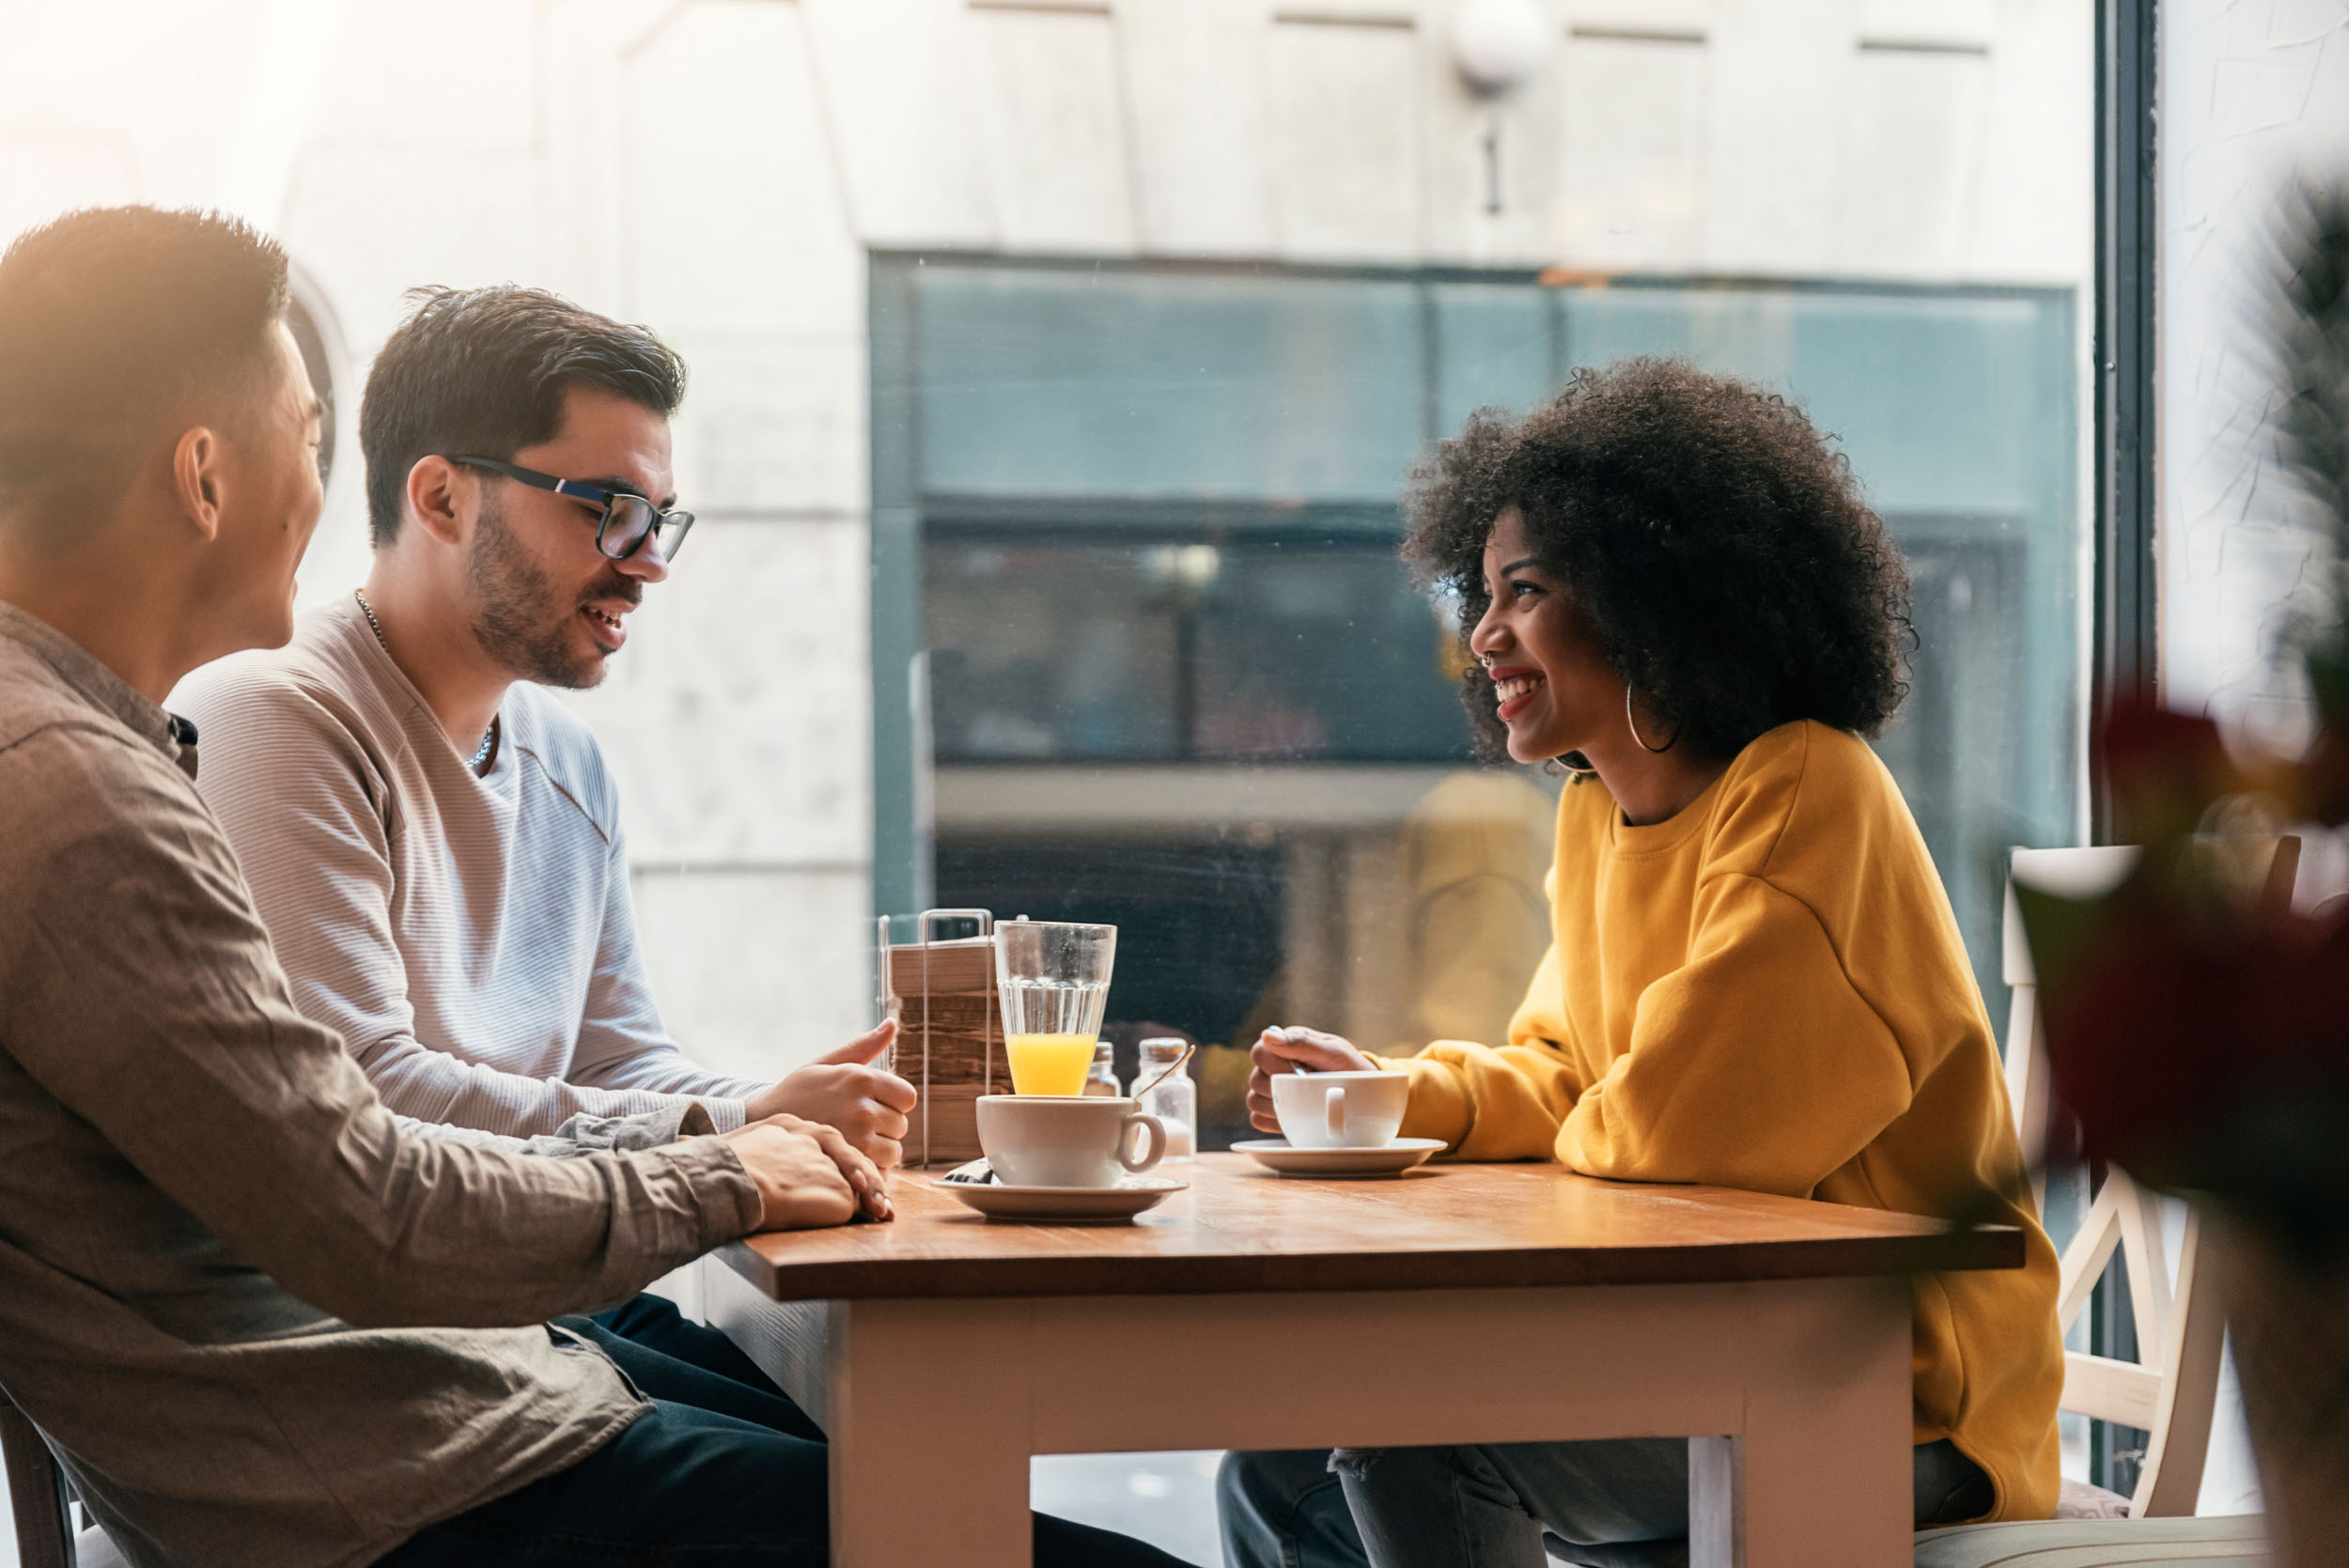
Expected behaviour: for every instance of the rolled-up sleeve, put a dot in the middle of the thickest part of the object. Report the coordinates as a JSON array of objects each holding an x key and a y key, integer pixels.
[{"x": 581, "y": 1134}]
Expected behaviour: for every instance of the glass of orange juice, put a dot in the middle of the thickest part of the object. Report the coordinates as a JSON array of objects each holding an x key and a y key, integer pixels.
[{"x": 1053, "y": 980}]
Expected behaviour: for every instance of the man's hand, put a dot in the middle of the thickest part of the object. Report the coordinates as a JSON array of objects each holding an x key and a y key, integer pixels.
[
  {"x": 1287, "y": 1049},
  {"x": 807, "y": 1174},
  {"x": 844, "y": 1090}
]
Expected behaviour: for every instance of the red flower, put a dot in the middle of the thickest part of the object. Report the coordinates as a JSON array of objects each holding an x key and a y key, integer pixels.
[{"x": 2185, "y": 1008}]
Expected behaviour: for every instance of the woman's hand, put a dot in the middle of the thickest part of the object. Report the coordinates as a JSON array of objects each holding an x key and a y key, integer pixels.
[
  {"x": 844, "y": 1090},
  {"x": 807, "y": 1174},
  {"x": 1287, "y": 1050}
]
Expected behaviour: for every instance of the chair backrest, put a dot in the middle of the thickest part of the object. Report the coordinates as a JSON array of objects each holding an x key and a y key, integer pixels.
[
  {"x": 2171, "y": 1389},
  {"x": 36, "y": 1493}
]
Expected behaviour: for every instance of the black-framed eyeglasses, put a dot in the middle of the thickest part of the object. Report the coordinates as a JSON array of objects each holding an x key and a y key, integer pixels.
[{"x": 628, "y": 522}]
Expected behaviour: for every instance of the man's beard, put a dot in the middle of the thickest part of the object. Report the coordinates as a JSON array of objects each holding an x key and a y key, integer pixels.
[{"x": 521, "y": 618}]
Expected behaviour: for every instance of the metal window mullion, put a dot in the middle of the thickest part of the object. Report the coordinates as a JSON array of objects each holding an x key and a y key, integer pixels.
[{"x": 2126, "y": 652}]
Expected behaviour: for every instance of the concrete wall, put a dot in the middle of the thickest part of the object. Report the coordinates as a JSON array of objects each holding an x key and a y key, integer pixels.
[{"x": 717, "y": 168}]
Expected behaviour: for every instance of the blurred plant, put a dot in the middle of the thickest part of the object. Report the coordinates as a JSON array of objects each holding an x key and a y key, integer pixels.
[
  {"x": 2308, "y": 342},
  {"x": 2198, "y": 1027}
]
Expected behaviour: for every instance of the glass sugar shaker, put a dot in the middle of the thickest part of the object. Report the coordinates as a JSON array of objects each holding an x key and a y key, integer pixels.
[
  {"x": 1174, "y": 1102},
  {"x": 1102, "y": 1078}
]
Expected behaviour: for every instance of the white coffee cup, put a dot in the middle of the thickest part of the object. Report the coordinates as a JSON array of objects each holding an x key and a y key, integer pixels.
[
  {"x": 1340, "y": 1111},
  {"x": 1068, "y": 1139}
]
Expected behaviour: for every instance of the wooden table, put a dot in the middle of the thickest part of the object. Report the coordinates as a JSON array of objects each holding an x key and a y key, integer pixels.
[{"x": 1465, "y": 1303}]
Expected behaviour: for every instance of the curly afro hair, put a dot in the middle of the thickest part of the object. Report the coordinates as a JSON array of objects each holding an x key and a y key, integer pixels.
[{"x": 1717, "y": 545}]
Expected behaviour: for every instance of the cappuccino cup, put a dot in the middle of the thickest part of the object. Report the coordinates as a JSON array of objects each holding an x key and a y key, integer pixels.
[
  {"x": 1068, "y": 1139},
  {"x": 1340, "y": 1111}
]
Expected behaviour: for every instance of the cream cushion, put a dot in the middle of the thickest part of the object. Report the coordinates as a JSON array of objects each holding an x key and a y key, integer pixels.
[{"x": 2231, "y": 1543}]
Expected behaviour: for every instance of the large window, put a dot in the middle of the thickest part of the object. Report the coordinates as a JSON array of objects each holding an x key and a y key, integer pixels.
[{"x": 1177, "y": 666}]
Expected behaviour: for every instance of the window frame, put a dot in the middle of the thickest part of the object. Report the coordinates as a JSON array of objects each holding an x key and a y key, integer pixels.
[
  {"x": 2124, "y": 649},
  {"x": 2125, "y": 583}
]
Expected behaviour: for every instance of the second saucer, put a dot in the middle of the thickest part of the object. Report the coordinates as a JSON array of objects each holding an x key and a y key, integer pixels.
[{"x": 1386, "y": 1159}]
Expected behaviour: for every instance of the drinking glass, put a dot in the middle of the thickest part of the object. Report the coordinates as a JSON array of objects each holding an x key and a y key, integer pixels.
[{"x": 1054, "y": 982}]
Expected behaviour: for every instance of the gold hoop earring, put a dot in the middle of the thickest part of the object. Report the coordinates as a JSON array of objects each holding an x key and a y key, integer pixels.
[{"x": 1634, "y": 728}]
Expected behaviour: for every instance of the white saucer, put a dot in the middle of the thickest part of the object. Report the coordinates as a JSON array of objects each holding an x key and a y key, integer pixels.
[
  {"x": 1069, "y": 1205},
  {"x": 1387, "y": 1159}
]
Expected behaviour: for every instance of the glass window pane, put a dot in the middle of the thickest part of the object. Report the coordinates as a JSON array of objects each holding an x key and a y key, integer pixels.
[
  {"x": 1496, "y": 344},
  {"x": 1266, "y": 647},
  {"x": 1060, "y": 382},
  {"x": 1044, "y": 650},
  {"x": 1311, "y": 650}
]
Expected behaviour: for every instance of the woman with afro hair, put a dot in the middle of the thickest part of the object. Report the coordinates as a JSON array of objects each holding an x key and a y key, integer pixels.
[{"x": 1672, "y": 588}]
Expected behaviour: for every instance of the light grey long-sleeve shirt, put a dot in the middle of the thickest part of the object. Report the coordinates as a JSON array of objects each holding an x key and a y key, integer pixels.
[
  {"x": 261, "y": 1320},
  {"x": 471, "y": 936}
]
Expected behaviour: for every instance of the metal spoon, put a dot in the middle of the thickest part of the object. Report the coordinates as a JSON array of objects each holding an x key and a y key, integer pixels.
[{"x": 1172, "y": 1068}]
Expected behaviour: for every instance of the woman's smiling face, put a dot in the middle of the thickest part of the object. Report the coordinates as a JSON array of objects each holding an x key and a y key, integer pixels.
[{"x": 1557, "y": 691}]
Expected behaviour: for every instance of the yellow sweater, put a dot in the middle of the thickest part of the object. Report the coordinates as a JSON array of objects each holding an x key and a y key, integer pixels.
[{"x": 1768, "y": 991}]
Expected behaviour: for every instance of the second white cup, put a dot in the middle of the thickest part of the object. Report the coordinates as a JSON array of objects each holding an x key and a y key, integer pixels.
[
  {"x": 1068, "y": 1139},
  {"x": 1340, "y": 1111}
]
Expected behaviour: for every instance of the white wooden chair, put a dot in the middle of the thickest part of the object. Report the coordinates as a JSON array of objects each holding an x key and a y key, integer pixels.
[{"x": 2171, "y": 1391}]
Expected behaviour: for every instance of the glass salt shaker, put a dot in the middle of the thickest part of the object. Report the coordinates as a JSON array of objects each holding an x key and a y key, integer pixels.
[
  {"x": 1103, "y": 1078},
  {"x": 1174, "y": 1102}
]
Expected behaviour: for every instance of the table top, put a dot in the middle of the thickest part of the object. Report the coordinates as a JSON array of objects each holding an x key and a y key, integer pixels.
[{"x": 1242, "y": 1229}]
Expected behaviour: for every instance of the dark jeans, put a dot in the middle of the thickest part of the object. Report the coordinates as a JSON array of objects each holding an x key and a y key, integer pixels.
[
  {"x": 1616, "y": 1505},
  {"x": 694, "y": 1364},
  {"x": 726, "y": 1471}
]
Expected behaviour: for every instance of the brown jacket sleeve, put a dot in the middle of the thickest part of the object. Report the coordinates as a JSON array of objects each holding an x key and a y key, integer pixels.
[{"x": 144, "y": 997}]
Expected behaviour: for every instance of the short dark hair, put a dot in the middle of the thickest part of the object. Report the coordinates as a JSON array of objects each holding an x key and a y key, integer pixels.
[
  {"x": 1717, "y": 543},
  {"x": 113, "y": 318},
  {"x": 482, "y": 373}
]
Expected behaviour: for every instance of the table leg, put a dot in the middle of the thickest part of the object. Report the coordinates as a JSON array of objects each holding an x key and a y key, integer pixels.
[
  {"x": 930, "y": 1443},
  {"x": 1820, "y": 1478}
]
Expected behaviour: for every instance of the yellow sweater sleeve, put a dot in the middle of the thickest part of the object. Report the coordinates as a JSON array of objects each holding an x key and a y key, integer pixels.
[
  {"x": 1755, "y": 1064},
  {"x": 1498, "y": 1104}
]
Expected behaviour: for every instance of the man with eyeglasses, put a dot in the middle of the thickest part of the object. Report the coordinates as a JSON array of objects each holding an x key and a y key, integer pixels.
[{"x": 432, "y": 839}]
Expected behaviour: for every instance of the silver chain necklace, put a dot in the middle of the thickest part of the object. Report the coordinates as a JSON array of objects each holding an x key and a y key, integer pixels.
[{"x": 488, "y": 737}]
